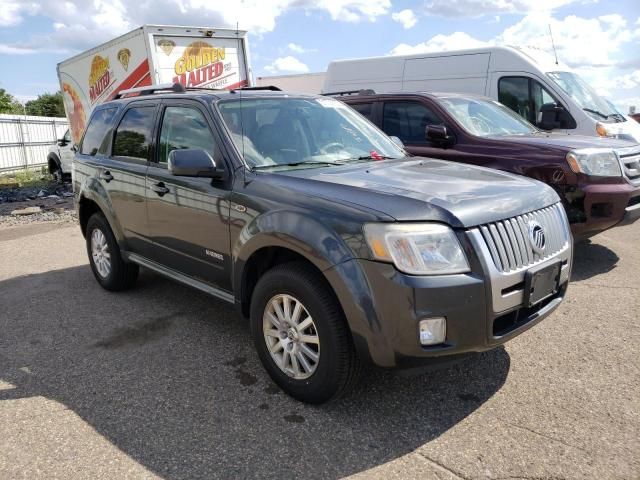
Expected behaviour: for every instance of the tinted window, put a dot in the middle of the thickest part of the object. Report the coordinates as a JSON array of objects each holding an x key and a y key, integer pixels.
[
  {"x": 184, "y": 127},
  {"x": 514, "y": 93},
  {"x": 96, "y": 131},
  {"x": 133, "y": 136},
  {"x": 363, "y": 109},
  {"x": 408, "y": 121},
  {"x": 524, "y": 96},
  {"x": 67, "y": 136}
]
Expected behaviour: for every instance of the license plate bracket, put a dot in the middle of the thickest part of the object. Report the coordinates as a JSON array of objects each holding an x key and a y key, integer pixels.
[{"x": 540, "y": 283}]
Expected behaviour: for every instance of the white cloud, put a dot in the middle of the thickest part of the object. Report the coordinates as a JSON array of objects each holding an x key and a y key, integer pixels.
[
  {"x": 287, "y": 64},
  {"x": 294, "y": 47},
  {"x": 406, "y": 17},
  {"x": 104, "y": 19},
  {"x": 440, "y": 43},
  {"x": 479, "y": 8}
]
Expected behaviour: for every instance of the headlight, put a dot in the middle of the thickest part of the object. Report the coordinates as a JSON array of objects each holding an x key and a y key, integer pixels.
[
  {"x": 595, "y": 161},
  {"x": 418, "y": 249}
]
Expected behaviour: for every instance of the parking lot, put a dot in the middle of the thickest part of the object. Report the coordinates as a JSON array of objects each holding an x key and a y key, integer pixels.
[{"x": 163, "y": 382}]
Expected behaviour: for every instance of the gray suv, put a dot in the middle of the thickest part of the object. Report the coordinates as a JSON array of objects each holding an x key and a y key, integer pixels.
[{"x": 339, "y": 247}]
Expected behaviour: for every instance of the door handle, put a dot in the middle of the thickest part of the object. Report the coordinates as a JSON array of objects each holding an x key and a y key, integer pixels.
[
  {"x": 159, "y": 188},
  {"x": 106, "y": 176}
]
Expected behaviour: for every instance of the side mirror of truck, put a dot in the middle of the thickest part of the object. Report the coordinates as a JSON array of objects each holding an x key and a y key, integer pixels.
[
  {"x": 193, "y": 163},
  {"x": 438, "y": 135},
  {"x": 62, "y": 142},
  {"x": 552, "y": 116}
]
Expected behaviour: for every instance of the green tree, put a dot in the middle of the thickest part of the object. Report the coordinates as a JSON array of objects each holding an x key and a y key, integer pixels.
[
  {"x": 8, "y": 104},
  {"x": 46, "y": 105}
]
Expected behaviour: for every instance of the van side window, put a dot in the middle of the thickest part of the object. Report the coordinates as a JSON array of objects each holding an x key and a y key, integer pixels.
[
  {"x": 525, "y": 96},
  {"x": 364, "y": 109},
  {"x": 408, "y": 121},
  {"x": 184, "y": 127},
  {"x": 96, "y": 131},
  {"x": 133, "y": 135}
]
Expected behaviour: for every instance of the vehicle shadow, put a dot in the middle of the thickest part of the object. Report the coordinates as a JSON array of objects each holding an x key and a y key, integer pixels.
[
  {"x": 592, "y": 259},
  {"x": 169, "y": 376}
]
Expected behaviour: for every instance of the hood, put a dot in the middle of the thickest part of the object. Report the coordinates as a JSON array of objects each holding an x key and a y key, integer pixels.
[
  {"x": 424, "y": 189},
  {"x": 566, "y": 142}
]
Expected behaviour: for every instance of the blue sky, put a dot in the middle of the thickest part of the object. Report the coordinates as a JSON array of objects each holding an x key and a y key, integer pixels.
[{"x": 601, "y": 39}]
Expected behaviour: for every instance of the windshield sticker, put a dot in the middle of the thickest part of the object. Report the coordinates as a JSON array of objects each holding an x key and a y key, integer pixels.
[{"x": 331, "y": 103}]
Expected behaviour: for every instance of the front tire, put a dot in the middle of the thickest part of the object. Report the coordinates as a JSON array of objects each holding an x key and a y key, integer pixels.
[
  {"x": 301, "y": 335},
  {"x": 110, "y": 270}
]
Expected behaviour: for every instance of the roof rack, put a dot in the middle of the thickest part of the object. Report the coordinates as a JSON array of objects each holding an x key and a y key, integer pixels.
[
  {"x": 362, "y": 91},
  {"x": 150, "y": 89},
  {"x": 272, "y": 88}
]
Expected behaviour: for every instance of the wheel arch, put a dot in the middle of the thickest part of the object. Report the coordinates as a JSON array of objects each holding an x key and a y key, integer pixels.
[{"x": 53, "y": 162}]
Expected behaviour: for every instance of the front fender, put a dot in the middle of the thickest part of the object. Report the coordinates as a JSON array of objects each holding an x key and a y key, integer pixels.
[
  {"x": 323, "y": 247},
  {"x": 293, "y": 230},
  {"x": 91, "y": 189}
]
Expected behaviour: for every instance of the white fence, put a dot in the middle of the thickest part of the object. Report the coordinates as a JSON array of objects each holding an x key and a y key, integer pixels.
[{"x": 25, "y": 140}]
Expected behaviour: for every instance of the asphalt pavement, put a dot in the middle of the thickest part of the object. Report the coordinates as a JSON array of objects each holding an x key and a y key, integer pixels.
[{"x": 163, "y": 382}]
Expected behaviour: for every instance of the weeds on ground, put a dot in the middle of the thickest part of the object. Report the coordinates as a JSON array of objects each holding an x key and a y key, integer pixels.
[{"x": 25, "y": 178}]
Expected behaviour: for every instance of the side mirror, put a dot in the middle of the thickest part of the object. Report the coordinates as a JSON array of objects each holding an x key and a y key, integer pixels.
[
  {"x": 548, "y": 116},
  {"x": 192, "y": 163},
  {"x": 397, "y": 141},
  {"x": 62, "y": 142},
  {"x": 552, "y": 116},
  {"x": 438, "y": 135}
]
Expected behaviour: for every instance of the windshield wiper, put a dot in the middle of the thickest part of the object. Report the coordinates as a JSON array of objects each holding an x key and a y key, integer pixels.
[
  {"x": 372, "y": 157},
  {"x": 295, "y": 164},
  {"x": 596, "y": 112},
  {"x": 618, "y": 116}
]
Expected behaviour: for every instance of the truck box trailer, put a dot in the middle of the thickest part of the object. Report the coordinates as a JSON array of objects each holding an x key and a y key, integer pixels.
[
  {"x": 151, "y": 55},
  {"x": 300, "y": 83}
]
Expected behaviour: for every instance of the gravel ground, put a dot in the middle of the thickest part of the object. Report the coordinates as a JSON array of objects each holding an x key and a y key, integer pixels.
[
  {"x": 54, "y": 200},
  {"x": 163, "y": 382}
]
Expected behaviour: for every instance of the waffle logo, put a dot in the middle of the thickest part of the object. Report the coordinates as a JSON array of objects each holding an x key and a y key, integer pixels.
[
  {"x": 200, "y": 64},
  {"x": 99, "y": 77}
]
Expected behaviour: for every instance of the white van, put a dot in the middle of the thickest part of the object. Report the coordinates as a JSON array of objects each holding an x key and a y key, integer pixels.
[{"x": 529, "y": 81}]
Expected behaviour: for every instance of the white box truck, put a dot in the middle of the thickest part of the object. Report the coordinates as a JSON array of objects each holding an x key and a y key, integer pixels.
[
  {"x": 523, "y": 79},
  {"x": 152, "y": 55},
  {"x": 300, "y": 82}
]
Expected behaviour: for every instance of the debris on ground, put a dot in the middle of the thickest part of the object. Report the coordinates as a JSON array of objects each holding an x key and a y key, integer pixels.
[{"x": 27, "y": 211}]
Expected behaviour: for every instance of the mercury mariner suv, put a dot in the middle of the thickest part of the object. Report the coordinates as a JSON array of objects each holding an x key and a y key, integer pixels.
[{"x": 338, "y": 247}]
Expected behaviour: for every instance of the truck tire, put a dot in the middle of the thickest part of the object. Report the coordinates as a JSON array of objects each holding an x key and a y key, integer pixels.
[
  {"x": 110, "y": 270},
  {"x": 301, "y": 335}
]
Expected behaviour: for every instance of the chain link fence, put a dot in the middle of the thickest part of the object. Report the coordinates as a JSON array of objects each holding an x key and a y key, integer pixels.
[{"x": 25, "y": 140}]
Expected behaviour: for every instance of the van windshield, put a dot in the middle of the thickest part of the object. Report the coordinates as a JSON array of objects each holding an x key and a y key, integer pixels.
[
  {"x": 485, "y": 117},
  {"x": 286, "y": 133},
  {"x": 586, "y": 97}
]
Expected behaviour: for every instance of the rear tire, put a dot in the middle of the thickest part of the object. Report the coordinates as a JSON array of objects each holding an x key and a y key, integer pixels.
[
  {"x": 321, "y": 362},
  {"x": 110, "y": 270}
]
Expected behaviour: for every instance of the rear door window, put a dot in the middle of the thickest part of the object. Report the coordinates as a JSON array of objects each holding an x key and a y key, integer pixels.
[
  {"x": 133, "y": 135},
  {"x": 93, "y": 141},
  {"x": 408, "y": 121}
]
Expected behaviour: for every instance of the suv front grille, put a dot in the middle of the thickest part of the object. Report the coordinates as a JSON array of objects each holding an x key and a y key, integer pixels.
[
  {"x": 509, "y": 241},
  {"x": 630, "y": 158}
]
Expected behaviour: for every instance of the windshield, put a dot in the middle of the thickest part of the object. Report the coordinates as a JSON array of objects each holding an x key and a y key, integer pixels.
[
  {"x": 289, "y": 132},
  {"x": 586, "y": 97},
  {"x": 484, "y": 117}
]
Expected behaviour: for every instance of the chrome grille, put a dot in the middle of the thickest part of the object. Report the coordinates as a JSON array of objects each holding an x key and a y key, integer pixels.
[
  {"x": 509, "y": 244},
  {"x": 630, "y": 158}
]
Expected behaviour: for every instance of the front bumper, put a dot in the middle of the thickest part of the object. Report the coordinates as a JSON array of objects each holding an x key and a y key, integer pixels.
[
  {"x": 607, "y": 205},
  {"x": 483, "y": 309}
]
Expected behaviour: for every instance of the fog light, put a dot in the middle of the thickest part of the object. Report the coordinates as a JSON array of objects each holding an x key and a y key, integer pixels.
[{"x": 433, "y": 330}]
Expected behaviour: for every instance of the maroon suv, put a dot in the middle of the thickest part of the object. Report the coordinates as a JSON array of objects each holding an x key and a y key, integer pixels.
[{"x": 598, "y": 179}]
